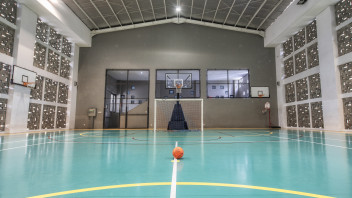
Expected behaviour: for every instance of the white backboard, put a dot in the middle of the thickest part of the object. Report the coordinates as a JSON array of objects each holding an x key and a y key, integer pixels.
[
  {"x": 260, "y": 92},
  {"x": 20, "y": 76}
]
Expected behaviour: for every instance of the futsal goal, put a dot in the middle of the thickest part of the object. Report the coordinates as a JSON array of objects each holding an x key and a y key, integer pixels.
[{"x": 178, "y": 114}]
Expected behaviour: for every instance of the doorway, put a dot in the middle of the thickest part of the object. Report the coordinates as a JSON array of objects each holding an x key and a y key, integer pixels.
[{"x": 126, "y": 99}]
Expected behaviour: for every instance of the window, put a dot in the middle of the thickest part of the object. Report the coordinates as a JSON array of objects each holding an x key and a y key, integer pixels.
[
  {"x": 164, "y": 80},
  {"x": 228, "y": 83},
  {"x": 113, "y": 103}
]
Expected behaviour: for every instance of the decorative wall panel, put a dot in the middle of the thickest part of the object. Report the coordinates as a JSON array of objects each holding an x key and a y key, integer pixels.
[
  {"x": 303, "y": 115},
  {"x": 37, "y": 92},
  {"x": 5, "y": 71},
  {"x": 42, "y": 31},
  {"x": 291, "y": 116},
  {"x": 343, "y": 11},
  {"x": 300, "y": 62},
  {"x": 63, "y": 93},
  {"x": 53, "y": 62},
  {"x": 317, "y": 114},
  {"x": 48, "y": 121},
  {"x": 313, "y": 56},
  {"x": 39, "y": 56},
  {"x": 287, "y": 47},
  {"x": 344, "y": 40},
  {"x": 50, "y": 90},
  {"x": 314, "y": 86},
  {"x": 302, "y": 89},
  {"x": 311, "y": 31},
  {"x": 8, "y": 10},
  {"x": 55, "y": 39},
  {"x": 34, "y": 116},
  {"x": 347, "y": 108},
  {"x": 288, "y": 67},
  {"x": 61, "y": 117},
  {"x": 299, "y": 39},
  {"x": 290, "y": 92},
  {"x": 66, "y": 47},
  {"x": 3, "y": 107},
  {"x": 65, "y": 68},
  {"x": 7, "y": 36},
  {"x": 346, "y": 77}
]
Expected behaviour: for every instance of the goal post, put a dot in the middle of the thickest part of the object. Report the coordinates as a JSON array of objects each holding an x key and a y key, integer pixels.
[{"x": 192, "y": 112}]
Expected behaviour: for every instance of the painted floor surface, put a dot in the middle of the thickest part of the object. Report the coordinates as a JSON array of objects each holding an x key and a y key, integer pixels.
[{"x": 139, "y": 163}]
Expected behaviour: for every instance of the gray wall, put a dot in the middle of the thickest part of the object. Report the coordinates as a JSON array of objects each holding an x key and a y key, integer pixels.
[{"x": 184, "y": 46}]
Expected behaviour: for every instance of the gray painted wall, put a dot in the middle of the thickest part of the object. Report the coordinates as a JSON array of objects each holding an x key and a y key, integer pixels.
[{"x": 185, "y": 46}]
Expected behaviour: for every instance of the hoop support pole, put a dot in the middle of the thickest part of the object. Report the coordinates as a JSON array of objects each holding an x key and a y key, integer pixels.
[
  {"x": 154, "y": 115},
  {"x": 201, "y": 115}
]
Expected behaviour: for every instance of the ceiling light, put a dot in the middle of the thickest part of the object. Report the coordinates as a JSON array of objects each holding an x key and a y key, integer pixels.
[{"x": 178, "y": 9}]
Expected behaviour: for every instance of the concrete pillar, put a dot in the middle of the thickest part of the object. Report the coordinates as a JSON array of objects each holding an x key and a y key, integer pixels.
[
  {"x": 71, "y": 111},
  {"x": 280, "y": 88},
  {"x": 329, "y": 74},
  {"x": 19, "y": 96}
]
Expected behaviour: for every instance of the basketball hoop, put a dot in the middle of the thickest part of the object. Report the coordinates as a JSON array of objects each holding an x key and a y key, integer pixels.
[
  {"x": 261, "y": 95},
  {"x": 27, "y": 83},
  {"x": 178, "y": 85}
]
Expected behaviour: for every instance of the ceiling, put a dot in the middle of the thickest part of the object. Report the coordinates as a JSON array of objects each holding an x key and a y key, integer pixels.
[{"x": 248, "y": 14}]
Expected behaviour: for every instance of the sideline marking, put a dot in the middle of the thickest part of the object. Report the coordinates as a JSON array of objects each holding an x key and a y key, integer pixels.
[
  {"x": 174, "y": 177},
  {"x": 182, "y": 184}
]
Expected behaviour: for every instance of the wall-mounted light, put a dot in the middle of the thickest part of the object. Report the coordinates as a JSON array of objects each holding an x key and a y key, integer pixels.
[{"x": 178, "y": 9}]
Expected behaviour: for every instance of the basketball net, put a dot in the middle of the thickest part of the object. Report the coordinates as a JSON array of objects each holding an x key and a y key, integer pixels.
[{"x": 178, "y": 88}]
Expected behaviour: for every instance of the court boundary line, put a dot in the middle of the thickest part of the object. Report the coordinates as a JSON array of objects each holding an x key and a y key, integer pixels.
[
  {"x": 174, "y": 177},
  {"x": 182, "y": 184}
]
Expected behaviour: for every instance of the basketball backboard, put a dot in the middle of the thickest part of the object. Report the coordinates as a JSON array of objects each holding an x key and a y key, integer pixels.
[{"x": 23, "y": 77}]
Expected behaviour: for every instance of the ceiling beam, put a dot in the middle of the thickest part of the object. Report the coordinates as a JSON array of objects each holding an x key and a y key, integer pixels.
[
  {"x": 140, "y": 11},
  {"x": 127, "y": 11},
  {"x": 205, "y": 4},
  {"x": 190, "y": 16},
  {"x": 151, "y": 3},
  {"x": 165, "y": 10},
  {"x": 255, "y": 14},
  {"x": 91, "y": 1},
  {"x": 217, "y": 8},
  {"x": 86, "y": 14},
  {"x": 112, "y": 10},
  {"x": 228, "y": 14},
  {"x": 245, "y": 8},
  {"x": 269, "y": 14}
]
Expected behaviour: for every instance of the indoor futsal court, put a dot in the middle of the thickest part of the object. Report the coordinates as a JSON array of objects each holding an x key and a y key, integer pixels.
[{"x": 175, "y": 98}]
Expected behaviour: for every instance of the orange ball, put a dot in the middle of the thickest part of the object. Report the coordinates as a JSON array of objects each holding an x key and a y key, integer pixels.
[{"x": 177, "y": 152}]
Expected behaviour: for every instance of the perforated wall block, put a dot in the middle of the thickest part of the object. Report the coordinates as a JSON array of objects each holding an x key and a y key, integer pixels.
[
  {"x": 311, "y": 31},
  {"x": 50, "y": 90},
  {"x": 300, "y": 62},
  {"x": 37, "y": 92},
  {"x": 5, "y": 71},
  {"x": 317, "y": 114},
  {"x": 344, "y": 40},
  {"x": 65, "y": 68},
  {"x": 48, "y": 120},
  {"x": 34, "y": 116},
  {"x": 346, "y": 77},
  {"x": 347, "y": 109},
  {"x": 42, "y": 31},
  {"x": 291, "y": 116},
  {"x": 290, "y": 92},
  {"x": 8, "y": 10},
  {"x": 303, "y": 115},
  {"x": 299, "y": 39},
  {"x": 66, "y": 47},
  {"x": 63, "y": 93},
  {"x": 55, "y": 39},
  {"x": 302, "y": 89},
  {"x": 53, "y": 62},
  {"x": 313, "y": 56},
  {"x": 287, "y": 47},
  {"x": 7, "y": 36},
  {"x": 3, "y": 107},
  {"x": 314, "y": 86},
  {"x": 288, "y": 67},
  {"x": 39, "y": 56},
  {"x": 61, "y": 117},
  {"x": 343, "y": 11}
]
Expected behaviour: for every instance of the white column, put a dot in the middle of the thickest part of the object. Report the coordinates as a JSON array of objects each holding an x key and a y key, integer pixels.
[
  {"x": 329, "y": 74},
  {"x": 71, "y": 111},
  {"x": 19, "y": 96},
  {"x": 280, "y": 88}
]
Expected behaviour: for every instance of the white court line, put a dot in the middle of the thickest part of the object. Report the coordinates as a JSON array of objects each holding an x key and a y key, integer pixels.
[
  {"x": 174, "y": 177},
  {"x": 26, "y": 140}
]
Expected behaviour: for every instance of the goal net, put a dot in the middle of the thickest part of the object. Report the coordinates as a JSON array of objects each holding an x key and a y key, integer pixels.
[{"x": 169, "y": 114}]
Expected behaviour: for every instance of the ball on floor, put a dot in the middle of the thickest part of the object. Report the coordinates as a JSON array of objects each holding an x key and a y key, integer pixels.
[{"x": 177, "y": 152}]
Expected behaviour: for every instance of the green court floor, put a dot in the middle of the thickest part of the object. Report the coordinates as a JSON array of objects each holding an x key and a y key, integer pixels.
[{"x": 139, "y": 163}]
